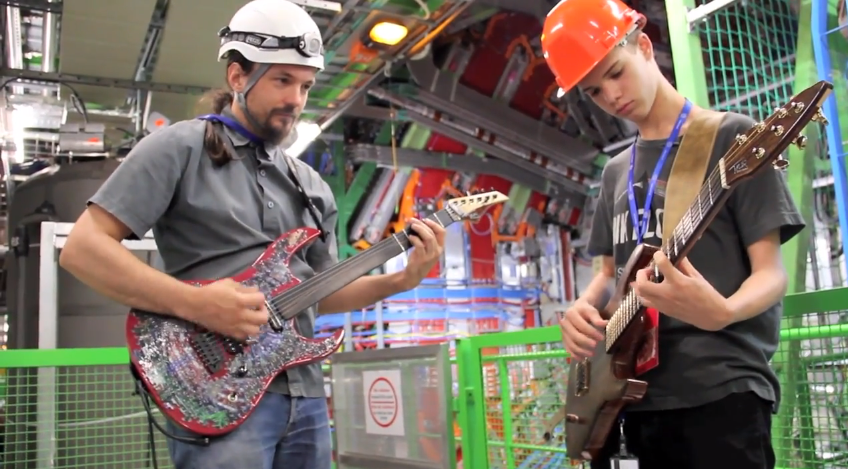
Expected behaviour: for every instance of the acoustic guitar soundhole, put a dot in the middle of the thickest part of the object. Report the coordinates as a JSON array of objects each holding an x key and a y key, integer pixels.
[{"x": 582, "y": 375}]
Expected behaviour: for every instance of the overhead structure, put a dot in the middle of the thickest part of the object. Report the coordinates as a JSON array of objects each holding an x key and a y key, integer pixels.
[{"x": 102, "y": 39}]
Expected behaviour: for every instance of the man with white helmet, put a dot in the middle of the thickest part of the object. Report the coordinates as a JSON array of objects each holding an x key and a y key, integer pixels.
[
  {"x": 263, "y": 34},
  {"x": 216, "y": 191}
]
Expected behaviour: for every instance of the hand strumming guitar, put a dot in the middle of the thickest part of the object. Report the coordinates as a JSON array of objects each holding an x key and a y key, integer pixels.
[
  {"x": 581, "y": 329},
  {"x": 683, "y": 294},
  {"x": 229, "y": 308}
]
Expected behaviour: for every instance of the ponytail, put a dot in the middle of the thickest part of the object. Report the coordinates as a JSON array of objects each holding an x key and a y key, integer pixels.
[{"x": 214, "y": 145}]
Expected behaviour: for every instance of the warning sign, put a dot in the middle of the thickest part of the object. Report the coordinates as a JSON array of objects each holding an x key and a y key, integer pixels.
[{"x": 383, "y": 402}]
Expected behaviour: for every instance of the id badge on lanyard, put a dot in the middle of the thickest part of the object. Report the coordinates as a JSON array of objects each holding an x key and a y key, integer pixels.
[
  {"x": 616, "y": 463},
  {"x": 624, "y": 459},
  {"x": 641, "y": 227}
]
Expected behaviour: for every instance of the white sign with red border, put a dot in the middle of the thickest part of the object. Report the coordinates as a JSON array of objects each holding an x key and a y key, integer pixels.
[{"x": 383, "y": 402}]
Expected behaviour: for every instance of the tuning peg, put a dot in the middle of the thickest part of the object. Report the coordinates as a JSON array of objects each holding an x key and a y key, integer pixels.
[
  {"x": 820, "y": 118},
  {"x": 797, "y": 107},
  {"x": 800, "y": 141},
  {"x": 777, "y": 129},
  {"x": 781, "y": 112},
  {"x": 780, "y": 163}
]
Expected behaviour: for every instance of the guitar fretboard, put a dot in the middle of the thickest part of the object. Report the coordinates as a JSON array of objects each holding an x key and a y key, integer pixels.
[{"x": 699, "y": 210}]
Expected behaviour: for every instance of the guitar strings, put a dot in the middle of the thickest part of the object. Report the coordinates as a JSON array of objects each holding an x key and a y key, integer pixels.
[{"x": 289, "y": 299}]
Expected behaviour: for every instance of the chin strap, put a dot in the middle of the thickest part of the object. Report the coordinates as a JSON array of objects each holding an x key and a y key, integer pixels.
[{"x": 240, "y": 97}]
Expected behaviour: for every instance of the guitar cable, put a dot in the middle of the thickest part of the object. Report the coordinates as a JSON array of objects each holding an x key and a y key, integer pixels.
[{"x": 152, "y": 422}]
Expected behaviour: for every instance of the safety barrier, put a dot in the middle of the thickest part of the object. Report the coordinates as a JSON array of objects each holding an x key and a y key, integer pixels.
[
  {"x": 507, "y": 385},
  {"x": 512, "y": 383}
]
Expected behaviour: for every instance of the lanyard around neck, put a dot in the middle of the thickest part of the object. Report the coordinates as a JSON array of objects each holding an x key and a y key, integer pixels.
[{"x": 642, "y": 228}]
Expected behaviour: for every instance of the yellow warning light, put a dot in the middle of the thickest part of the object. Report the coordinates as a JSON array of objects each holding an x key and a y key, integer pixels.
[{"x": 388, "y": 33}]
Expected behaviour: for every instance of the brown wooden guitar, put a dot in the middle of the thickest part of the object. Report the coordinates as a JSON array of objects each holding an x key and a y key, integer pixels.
[{"x": 601, "y": 386}]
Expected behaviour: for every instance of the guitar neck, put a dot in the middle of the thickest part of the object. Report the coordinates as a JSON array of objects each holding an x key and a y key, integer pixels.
[
  {"x": 701, "y": 211},
  {"x": 291, "y": 302}
]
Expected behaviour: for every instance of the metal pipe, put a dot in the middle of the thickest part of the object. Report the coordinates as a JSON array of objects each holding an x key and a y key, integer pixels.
[
  {"x": 138, "y": 112},
  {"x": 48, "y": 42},
  {"x": 492, "y": 150},
  {"x": 14, "y": 48},
  {"x": 49, "y": 25},
  {"x": 703, "y": 12},
  {"x": 530, "y": 141},
  {"x": 481, "y": 137},
  {"x": 452, "y": 12},
  {"x": 382, "y": 155},
  {"x": 148, "y": 101}
]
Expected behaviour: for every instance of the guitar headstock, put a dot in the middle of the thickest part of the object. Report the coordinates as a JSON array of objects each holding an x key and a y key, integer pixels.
[
  {"x": 472, "y": 205},
  {"x": 766, "y": 141}
]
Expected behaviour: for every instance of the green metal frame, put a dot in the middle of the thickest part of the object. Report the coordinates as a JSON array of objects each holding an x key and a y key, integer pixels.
[
  {"x": 347, "y": 198},
  {"x": 799, "y": 178},
  {"x": 471, "y": 403}
]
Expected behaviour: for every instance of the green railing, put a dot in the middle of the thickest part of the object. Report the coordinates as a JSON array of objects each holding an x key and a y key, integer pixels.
[
  {"x": 512, "y": 383},
  {"x": 509, "y": 385}
]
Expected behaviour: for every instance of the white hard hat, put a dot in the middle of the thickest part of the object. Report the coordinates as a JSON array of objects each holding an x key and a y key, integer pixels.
[{"x": 273, "y": 32}]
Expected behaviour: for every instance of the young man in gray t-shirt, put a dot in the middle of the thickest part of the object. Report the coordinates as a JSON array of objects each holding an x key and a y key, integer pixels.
[{"x": 710, "y": 398}]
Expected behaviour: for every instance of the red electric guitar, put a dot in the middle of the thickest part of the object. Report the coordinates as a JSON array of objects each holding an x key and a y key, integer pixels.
[{"x": 210, "y": 384}]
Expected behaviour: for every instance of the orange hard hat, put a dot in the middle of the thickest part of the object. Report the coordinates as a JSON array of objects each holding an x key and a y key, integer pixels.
[{"x": 579, "y": 33}]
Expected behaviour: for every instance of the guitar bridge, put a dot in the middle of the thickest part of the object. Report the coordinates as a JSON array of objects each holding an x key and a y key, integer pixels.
[
  {"x": 582, "y": 374},
  {"x": 208, "y": 350}
]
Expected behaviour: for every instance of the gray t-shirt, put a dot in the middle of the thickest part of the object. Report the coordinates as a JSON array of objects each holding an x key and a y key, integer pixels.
[
  {"x": 212, "y": 222},
  {"x": 697, "y": 367}
]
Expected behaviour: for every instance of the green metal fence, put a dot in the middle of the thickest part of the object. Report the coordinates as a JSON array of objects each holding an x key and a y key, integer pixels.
[
  {"x": 512, "y": 383},
  {"x": 745, "y": 72},
  {"x": 97, "y": 422},
  {"x": 509, "y": 385}
]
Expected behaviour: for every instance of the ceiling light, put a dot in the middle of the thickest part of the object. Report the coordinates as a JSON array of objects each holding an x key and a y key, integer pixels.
[{"x": 388, "y": 33}]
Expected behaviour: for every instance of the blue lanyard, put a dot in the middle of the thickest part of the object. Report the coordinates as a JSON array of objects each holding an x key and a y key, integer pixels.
[
  {"x": 642, "y": 228},
  {"x": 233, "y": 124}
]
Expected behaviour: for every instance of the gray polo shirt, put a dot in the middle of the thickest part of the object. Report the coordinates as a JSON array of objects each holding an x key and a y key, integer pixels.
[{"x": 213, "y": 222}]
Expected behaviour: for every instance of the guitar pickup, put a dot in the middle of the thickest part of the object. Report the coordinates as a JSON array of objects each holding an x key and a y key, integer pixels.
[{"x": 582, "y": 373}]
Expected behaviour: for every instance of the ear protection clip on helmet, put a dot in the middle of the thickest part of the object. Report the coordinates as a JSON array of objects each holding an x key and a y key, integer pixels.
[{"x": 308, "y": 44}]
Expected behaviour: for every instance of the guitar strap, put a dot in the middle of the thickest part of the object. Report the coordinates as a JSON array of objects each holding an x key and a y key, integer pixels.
[
  {"x": 684, "y": 183},
  {"x": 689, "y": 168}
]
